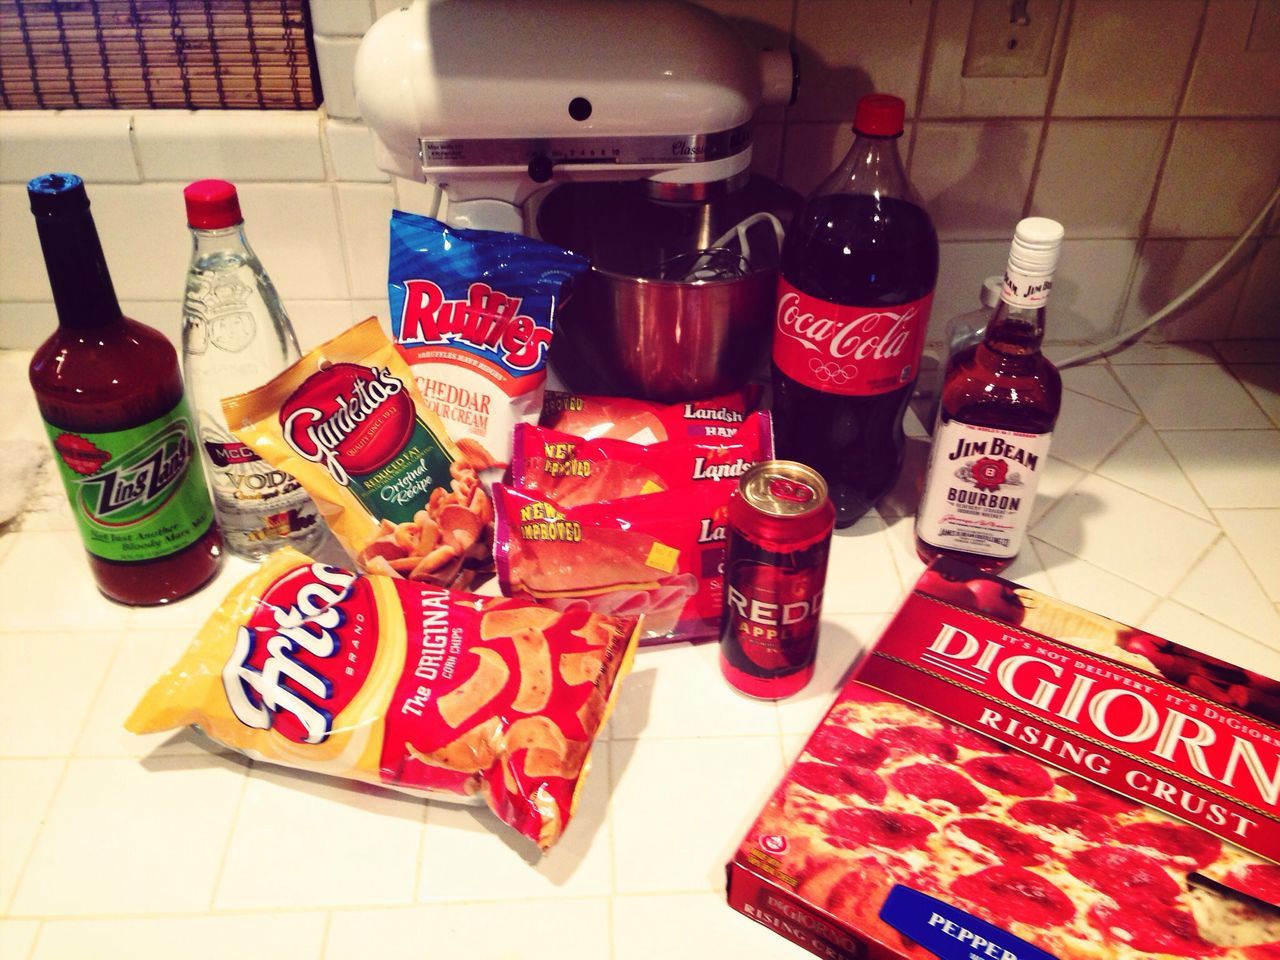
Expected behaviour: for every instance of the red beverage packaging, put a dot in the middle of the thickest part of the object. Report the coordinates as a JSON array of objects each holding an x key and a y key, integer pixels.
[{"x": 1010, "y": 776}]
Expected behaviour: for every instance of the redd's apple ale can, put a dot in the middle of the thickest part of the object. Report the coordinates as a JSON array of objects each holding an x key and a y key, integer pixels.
[{"x": 780, "y": 523}]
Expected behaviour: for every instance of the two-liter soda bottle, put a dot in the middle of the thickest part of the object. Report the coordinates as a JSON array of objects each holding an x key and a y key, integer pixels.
[{"x": 856, "y": 285}]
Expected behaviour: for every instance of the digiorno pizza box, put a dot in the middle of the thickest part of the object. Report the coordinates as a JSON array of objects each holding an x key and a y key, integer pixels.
[{"x": 1010, "y": 777}]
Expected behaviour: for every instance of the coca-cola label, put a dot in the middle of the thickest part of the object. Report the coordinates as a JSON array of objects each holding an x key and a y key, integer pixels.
[{"x": 850, "y": 350}]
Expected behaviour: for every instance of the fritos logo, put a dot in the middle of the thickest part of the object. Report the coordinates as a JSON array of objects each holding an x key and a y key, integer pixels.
[
  {"x": 488, "y": 320},
  {"x": 304, "y": 654},
  {"x": 351, "y": 418}
]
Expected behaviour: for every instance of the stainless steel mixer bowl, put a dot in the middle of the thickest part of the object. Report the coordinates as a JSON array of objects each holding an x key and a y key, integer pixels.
[{"x": 625, "y": 331}]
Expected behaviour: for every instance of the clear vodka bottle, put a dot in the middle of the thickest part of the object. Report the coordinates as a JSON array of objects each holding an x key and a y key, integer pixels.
[{"x": 237, "y": 336}]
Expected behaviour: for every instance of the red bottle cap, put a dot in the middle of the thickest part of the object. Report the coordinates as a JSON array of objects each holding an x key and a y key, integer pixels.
[
  {"x": 879, "y": 115},
  {"x": 212, "y": 205}
]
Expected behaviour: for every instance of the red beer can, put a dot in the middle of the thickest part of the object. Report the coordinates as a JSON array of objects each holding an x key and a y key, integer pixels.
[{"x": 780, "y": 523}]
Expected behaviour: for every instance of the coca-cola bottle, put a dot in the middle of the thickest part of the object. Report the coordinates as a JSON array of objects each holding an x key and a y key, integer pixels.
[
  {"x": 856, "y": 283},
  {"x": 996, "y": 413}
]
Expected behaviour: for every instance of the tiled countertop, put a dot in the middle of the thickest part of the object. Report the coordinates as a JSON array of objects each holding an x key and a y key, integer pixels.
[{"x": 1161, "y": 508}]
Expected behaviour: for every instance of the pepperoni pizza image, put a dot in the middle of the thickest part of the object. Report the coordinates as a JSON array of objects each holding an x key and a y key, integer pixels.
[{"x": 886, "y": 793}]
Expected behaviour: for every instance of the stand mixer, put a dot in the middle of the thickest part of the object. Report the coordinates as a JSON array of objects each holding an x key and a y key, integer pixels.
[
  {"x": 620, "y": 129},
  {"x": 493, "y": 100}
]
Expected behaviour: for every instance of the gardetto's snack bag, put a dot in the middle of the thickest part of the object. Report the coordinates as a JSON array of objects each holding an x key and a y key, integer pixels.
[
  {"x": 402, "y": 684},
  {"x": 400, "y": 496},
  {"x": 473, "y": 313}
]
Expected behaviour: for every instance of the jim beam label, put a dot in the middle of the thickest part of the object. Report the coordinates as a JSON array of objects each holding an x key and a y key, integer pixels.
[
  {"x": 136, "y": 494},
  {"x": 980, "y": 488}
]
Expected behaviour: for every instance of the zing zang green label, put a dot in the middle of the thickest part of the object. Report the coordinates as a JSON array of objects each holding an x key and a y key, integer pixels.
[{"x": 137, "y": 494}]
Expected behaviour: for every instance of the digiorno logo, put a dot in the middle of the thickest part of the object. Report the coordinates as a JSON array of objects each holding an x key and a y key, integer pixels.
[
  {"x": 488, "y": 320},
  {"x": 304, "y": 653},
  {"x": 1100, "y": 717},
  {"x": 350, "y": 418}
]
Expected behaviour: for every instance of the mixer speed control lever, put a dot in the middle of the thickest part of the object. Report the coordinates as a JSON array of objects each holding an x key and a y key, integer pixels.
[{"x": 540, "y": 168}]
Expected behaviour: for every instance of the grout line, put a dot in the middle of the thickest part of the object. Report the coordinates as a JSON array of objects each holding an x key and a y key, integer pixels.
[
  {"x": 922, "y": 83},
  {"x": 1055, "y": 79},
  {"x": 324, "y": 935},
  {"x": 221, "y": 869},
  {"x": 1148, "y": 215},
  {"x": 36, "y": 836}
]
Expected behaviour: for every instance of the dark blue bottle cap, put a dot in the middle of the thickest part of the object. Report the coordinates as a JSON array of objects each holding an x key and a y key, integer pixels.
[{"x": 57, "y": 195}]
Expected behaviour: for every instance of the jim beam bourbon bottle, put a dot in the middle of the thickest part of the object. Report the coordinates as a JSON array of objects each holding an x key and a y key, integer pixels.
[
  {"x": 780, "y": 524},
  {"x": 996, "y": 414}
]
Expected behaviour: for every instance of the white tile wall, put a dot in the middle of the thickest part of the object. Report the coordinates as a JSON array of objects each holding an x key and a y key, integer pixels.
[
  {"x": 95, "y": 144},
  {"x": 950, "y": 94},
  {"x": 1113, "y": 67},
  {"x": 1230, "y": 78},
  {"x": 232, "y": 145},
  {"x": 1113, "y": 205},
  {"x": 974, "y": 175},
  {"x": 1089, "y": 142}
]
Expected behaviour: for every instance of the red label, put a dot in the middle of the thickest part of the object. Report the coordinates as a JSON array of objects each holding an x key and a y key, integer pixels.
[
  {"x": 225, "y": 454},
  {"x": 1132, "y": 732},
  {"x": 772, "y": 614},
  {"x": 349, "y": 418},
  {"x": 488, "y": 320},
  {"x": 304, "y": 653},
  {"x": 854, "y": 351}
]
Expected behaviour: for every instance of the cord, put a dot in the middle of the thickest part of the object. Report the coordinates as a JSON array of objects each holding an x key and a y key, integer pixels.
[{"x": 1106, "y": 346}]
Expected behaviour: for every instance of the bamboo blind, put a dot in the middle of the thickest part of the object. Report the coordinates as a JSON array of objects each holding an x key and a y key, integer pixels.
[{"x": 248, "y": 54}]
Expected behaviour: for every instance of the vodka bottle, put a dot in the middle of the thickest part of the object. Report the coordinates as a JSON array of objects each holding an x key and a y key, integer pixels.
[{"x": 237, "y": 336}]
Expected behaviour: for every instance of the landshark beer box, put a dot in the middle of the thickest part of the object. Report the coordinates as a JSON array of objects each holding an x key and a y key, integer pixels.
[{"x": 1010, "y": 777}]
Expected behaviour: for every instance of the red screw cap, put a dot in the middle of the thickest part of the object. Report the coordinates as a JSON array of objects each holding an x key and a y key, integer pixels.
[
  {"x": 212, "y": 205},
  {"x": 879, "y": 115}
]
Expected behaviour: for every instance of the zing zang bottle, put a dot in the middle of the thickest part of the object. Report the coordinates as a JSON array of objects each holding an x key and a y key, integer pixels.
[
  {"x": 998, "y": 406},
  {"x": 110, "y": 393},
  {"x": 237, "y": 336},
  {"x": 856, "y": 284}
]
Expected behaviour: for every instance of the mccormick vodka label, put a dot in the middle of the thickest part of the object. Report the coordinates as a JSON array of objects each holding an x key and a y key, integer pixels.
[
  {"x": 981, "y": 487},
  {"x": 854, "y": 351}
]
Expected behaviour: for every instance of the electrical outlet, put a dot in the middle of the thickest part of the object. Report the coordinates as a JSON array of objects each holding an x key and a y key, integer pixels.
[{"x": 1011, "y": 38}]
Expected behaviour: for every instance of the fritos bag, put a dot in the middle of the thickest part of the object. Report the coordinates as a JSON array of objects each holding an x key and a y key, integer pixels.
[
  {"x": 402, "y": 684},
  {"x": 571, "y": 470},
  {"x": 473, "y": 313},
  {"x": 397, "y": 492},
  {"x": 660, "y": 556},
  {"x": 643, "y": 421}
]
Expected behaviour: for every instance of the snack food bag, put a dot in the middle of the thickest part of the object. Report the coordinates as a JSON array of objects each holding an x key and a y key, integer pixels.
[
  {"x": 473, "y": 312},
  {"x": 571, "y": 470},
  {"x": 644, "y": 421},
  {"x": 398, "y": 493},
  {"x": 1007, "y": 775},
  {"x": 402, "y": 684},
  {"x": 659, "y": 555}
]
